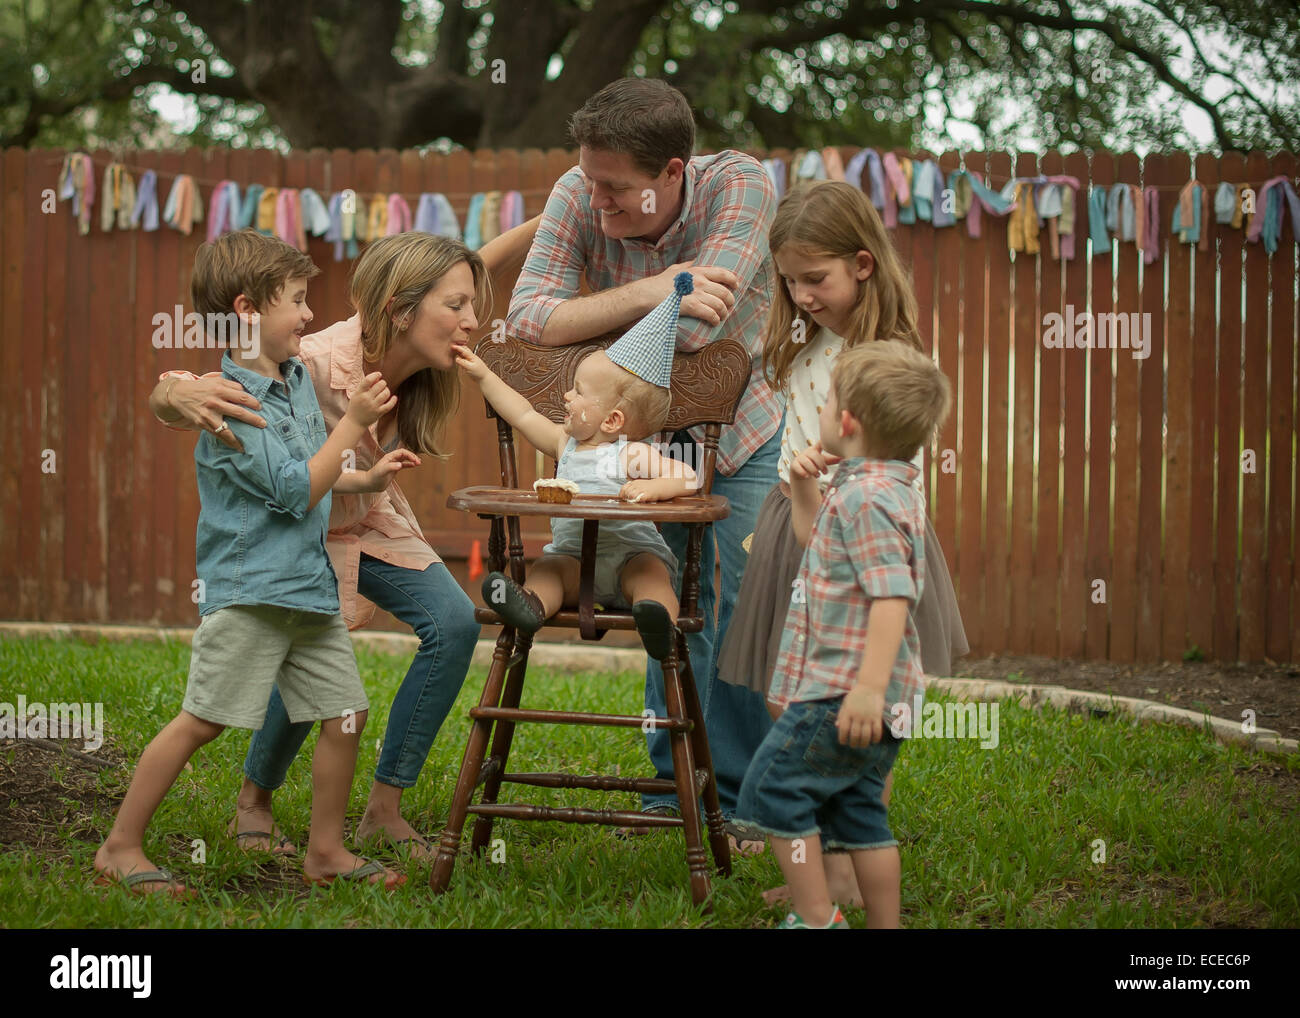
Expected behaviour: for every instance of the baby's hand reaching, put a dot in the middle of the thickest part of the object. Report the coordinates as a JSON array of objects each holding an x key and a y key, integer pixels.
[
  {"x": 470, "y": 362},
  {"x": 812, "y": 463},
  {"x": 641, "y": 490},
  {"x": 371, "y": 400}
]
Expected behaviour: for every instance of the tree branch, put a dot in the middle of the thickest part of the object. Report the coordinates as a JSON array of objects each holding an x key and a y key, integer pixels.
[{"x": 122, "y": 87}]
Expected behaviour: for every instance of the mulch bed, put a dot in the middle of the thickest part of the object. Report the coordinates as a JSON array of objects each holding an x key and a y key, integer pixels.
[{"x": 1272, "y": 691}]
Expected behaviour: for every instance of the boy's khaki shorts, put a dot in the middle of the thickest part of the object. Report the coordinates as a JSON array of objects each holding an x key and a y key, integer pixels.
[{"x": 239, "y": 652}]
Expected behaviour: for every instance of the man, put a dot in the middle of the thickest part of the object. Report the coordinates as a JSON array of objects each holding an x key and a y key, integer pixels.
[{"x": 636, "y": 210}]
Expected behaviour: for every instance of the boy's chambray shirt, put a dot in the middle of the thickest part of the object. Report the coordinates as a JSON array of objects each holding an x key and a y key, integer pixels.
[
  {"x": 728, "y": 202},
  {"x": 257, "y": 541},
  {"x": 867, "y": 542}
]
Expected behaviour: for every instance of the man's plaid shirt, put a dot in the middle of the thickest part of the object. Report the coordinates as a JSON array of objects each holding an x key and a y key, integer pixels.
[
  {"x": 867, "y": 542},
  {"x": 727, "y": 207}
]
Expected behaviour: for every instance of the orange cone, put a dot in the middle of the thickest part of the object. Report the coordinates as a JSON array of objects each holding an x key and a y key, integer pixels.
[{"x": 475, "y": 560}]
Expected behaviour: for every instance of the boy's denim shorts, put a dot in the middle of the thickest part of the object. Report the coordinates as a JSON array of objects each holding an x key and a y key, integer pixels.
[{"x": 803, "y": 781}]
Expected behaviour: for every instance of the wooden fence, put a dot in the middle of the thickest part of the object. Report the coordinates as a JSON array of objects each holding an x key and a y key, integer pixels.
[{"x": 1093, "y": 504}]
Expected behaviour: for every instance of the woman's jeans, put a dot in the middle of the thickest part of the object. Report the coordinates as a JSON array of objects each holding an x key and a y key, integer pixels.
[
  {"x": 735, "y": 718},
  {"x": 431, "y": 603}
]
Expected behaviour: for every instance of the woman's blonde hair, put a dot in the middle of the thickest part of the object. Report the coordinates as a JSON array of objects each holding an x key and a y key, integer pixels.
[
  {"x": 388, "y": 283},
  {"x": 834, "y": 219}
]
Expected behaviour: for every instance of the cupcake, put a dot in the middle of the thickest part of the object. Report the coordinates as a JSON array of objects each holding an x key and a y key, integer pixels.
[{"x": 555, "y": 489}]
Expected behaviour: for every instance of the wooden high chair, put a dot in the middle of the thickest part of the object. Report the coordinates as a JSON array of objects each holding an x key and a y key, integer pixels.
[{"x": 706, "y": 388}]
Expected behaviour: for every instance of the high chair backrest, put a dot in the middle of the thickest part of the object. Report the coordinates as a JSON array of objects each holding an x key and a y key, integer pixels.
[{"x": 706, "y": 389}]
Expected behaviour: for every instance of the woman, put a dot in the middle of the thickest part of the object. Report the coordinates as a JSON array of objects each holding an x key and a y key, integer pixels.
[{"x": 415, "y": 295}]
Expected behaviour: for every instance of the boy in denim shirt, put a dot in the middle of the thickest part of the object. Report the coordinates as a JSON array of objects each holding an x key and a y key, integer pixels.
[
  {"x": 849, "y": 649},
  {"x": 269, "y": 598}
]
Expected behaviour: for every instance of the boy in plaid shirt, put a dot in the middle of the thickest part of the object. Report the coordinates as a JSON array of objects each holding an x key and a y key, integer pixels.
[{"x": 849, "y": 649}]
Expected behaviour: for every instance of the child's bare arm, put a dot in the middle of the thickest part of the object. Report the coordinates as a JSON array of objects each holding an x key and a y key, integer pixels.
[
  {"x": 805, "y": 493},
  {"x": 861, "y": 717},
  {"x": 370, "y": 402},
  {"x": 653, "y": 477},
  {"x": 544, "y": 434},
  {"x": 378, "y": 477}
]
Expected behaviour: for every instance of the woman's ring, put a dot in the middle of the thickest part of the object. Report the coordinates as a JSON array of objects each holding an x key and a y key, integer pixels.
[{"x": 220, "y": 428}]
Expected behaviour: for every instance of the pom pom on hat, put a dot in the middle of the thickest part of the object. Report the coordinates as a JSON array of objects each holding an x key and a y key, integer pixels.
[{"x": 647, "y": 348}]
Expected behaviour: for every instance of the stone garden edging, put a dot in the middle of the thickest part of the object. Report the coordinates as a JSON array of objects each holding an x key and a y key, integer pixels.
[{"x": 577, "y": 658}]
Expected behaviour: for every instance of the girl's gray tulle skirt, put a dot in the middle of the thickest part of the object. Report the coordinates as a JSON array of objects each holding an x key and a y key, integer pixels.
[{"x": 753, "y": 637}]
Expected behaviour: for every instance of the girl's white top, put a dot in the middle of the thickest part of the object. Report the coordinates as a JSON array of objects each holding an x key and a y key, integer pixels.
[{"x": 810, "y": 383}]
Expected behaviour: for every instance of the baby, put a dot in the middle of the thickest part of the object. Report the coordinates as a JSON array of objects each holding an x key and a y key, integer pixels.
[{"x": 617, "y": 394}]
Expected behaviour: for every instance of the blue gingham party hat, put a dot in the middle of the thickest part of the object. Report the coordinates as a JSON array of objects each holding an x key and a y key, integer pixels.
[{"x": 647, "y": 348}]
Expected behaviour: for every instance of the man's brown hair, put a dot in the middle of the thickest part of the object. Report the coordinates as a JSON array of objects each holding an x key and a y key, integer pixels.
[
  {"x": 244, "y": 262},
  {"x": 645, "y": 118},
  {"x": 897, "y": 393}
]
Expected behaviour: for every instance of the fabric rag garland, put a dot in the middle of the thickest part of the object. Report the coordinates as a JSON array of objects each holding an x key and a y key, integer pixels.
[
  {"x": 117, "y": 199},
  {"x": 184, "y": 206},
  {"x": 77, "y": 182}
]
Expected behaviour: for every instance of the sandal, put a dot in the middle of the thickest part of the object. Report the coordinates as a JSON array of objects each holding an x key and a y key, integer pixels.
[
  {"x": 132, "y": 881},
  {"x": 657, "y": 809},
  {"x": 396, "y": 844},
  {"x": 276, "y": 840},
  {"x": 360, "y": 874},
  {"x": 739, "y": 834}
]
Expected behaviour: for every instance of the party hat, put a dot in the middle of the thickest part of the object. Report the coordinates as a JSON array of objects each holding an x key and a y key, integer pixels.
[{"x": 647, "y": 348}]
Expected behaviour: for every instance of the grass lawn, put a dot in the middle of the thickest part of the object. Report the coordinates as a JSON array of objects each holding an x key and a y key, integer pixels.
[{"x": 1196, "y": 834}]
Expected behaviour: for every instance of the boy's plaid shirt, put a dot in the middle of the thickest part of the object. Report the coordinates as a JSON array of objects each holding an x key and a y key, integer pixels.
[
  {"x": 867, "y": 542},
  {"x": 727, "y": 207}
]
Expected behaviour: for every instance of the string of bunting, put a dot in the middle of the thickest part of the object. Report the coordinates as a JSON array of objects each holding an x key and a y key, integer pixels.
[
  {"x": 904, "y": 190},
  {"x": 346, "y": 219},
  {"x": 907, "y": 191}
]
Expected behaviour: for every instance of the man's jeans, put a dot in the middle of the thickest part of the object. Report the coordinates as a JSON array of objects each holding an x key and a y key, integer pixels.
[
  {"x": 735, "y": 718},
  {"x": 431, "y": 603}
]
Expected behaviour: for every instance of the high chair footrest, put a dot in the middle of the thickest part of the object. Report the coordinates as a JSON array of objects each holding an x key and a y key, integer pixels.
[
  {"x": 575, "y": 815},
  {"x": 565, "y": 717},
  {"x": 596, "y": 782}
]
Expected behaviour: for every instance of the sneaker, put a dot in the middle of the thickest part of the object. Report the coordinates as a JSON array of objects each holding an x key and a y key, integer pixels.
[
  {"x": 520, "y": 608},
  {"x": 794, "y": 922}
]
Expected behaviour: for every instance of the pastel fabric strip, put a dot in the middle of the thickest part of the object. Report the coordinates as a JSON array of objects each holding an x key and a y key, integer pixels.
[
  {"x": 853, "y": 171},
  {"x": 1151, "y": 227},
  {"x": 833, "y": 163},
  {"x": 1097, "y": 221},
  {"x": 145, "y": 213},
  {"x": 473, "y": 228},
  {"x": 248, "y": 208},
  {"x": 811, "y": 166},
  {"x": 512, "y": 210},
  {"x": 315, "y": 216},
  {"x": 448, "y": 224},
  {"x": 399, "y": 215},
  {"x": 426, "y": 214},
  {"x": 1225, "y": 202}
]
